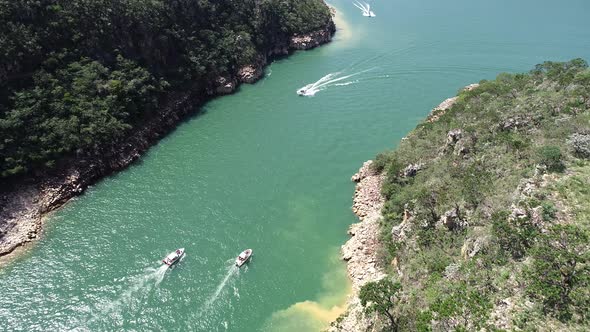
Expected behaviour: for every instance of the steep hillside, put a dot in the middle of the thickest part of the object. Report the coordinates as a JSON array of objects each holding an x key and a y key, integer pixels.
[{"x": 485, "y": 223}]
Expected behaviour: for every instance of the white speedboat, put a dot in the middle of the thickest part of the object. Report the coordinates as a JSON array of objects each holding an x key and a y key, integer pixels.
[
  {"x": 243, "y": 257},
  {"x": 173, "y": 257},
  {"x": 302, "y": 91}
]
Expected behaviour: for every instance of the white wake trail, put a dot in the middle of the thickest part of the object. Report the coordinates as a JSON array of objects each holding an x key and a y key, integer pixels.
[
  {"x": 329, "y": 80},
  {"x": 343, "y": 78},
  {"x": 231, "y": 272},
  {"x": 140, "y": 287}
]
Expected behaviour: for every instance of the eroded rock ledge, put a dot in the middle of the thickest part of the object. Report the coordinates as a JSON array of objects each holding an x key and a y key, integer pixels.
[
  {"x": 24, "y": 202},
  {"x": 359, "y": 250}
]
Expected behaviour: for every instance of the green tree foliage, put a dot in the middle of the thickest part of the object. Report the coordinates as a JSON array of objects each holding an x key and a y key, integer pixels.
[
  {"x": 514, "y": 236},
  {"x": 76, "y": 75},
  {"x": 82, "y": 106},
  {"x": 551, "y": 157},
  {"x": 380, "y": 297},
  {"x": 470, "y": 305},
  {"x": 560, "y": 273}
]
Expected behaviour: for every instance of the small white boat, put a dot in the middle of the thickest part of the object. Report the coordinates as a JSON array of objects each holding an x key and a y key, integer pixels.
[
  {"x": 302, "y": 91},
  {"x": 173, "y": 257},
  {"x": 243, "y": 257}
]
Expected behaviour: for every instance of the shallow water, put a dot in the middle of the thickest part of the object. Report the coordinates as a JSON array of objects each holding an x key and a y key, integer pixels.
[{"x": 269, "y": 170}]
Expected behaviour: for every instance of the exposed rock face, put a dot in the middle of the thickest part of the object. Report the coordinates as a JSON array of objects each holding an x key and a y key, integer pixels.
[
  {"x": 367, "y": 195},
  {"x": 249, "y": 74},
  {"x": 224, "y": 85},
  {"x": 359, "y": 251},
  {"x": 23, "y": 202},
  {"x": 400, "y": 232},
  {"x": 439, "y": 110},
  {"x": 411, "y": 170},
  {"x": 313, "y": 39},
  {"x": 451, "y": 219}
]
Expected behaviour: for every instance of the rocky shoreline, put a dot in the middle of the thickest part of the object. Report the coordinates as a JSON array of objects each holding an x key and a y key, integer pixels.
[
  {"x": 24, "y": 202},
  {"x": 360, "y": 250}
]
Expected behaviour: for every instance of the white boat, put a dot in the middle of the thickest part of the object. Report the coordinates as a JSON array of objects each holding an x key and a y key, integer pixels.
[
  {"x": 302, "y": 91},
  {"x": 173, "y": 257},
  {"x": 243, "y": 257}
]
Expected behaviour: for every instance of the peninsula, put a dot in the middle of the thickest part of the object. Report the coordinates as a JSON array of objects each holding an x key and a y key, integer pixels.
[{"x": 478, "y": 220}]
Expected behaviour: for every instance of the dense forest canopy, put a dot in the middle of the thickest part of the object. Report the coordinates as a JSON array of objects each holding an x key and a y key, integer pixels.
[{"x": 78, "y": 74}]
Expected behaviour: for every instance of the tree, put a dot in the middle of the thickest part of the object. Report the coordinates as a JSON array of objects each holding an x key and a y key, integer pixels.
[
  {"x": 380, "y": 297},
  {"x": 559, "y": 275},
  {"x": 462, "y": 308}
]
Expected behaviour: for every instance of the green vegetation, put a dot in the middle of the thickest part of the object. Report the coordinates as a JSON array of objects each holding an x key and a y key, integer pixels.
[
  {"x": 496, "y": 219},
  {"x": 380, "y": 297},
  {"x": 76, "y": 76}
]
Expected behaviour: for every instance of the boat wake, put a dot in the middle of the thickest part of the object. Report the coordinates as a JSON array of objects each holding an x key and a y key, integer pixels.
[
  {"x": 132, "y": 296},
  {"x": 332, "y": 79},
  {"x": 206, "y": 315},
  {"x": 365, "y": 8},
  {"x": 231, "y": 272}
]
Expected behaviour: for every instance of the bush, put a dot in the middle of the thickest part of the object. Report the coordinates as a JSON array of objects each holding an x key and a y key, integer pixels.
[
  {"x": 551, "y": 157},
  {"x": 560, "y": 275},
  {"x": 514, "y": 237},
  {"x": 580, "y": 143}
]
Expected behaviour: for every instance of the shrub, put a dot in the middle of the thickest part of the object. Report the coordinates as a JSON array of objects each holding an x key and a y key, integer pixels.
[
  {"x": 381, "y": 160},
  {"x": 549, "y": 211},
  {"x": 580, "y": 143},
  {"x": 551, "y": 156},
  {"x": 514, "y": 237},
  {"x": 560, "y": 275}
]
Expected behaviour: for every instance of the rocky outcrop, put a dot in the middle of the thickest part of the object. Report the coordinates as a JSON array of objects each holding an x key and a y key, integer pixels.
[
  {"x": 225, "y": 85},
  {"x": 439, "y": 110},
  {"x": 411, "y": 170},
  {"x": 250, "y": 74},
  {"x": 24, "y": 202},
  {"x": 359, "y": 250},
  {"x": 313, "y": 39}
]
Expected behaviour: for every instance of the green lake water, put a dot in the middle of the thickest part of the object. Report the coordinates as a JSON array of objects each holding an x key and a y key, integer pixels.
[{"x": 269, "y": 170}]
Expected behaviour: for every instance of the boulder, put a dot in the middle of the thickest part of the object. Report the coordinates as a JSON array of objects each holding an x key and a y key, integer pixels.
[
  {"x": 224, "y": 85},
  {"x": 249, "y": 74},
  {"x": 411, "y": 170},
  {"x": 451, "y": 219}
]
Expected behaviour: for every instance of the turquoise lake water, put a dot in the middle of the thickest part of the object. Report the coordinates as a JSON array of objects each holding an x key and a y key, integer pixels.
[{"x": 269, "y": 170}]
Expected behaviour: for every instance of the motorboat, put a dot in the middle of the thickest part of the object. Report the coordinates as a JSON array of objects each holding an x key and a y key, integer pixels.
[
  {"x": 173, "y": 257},
  {"x": 302, "y": 92},
  {"x": 243, "y": 257}
]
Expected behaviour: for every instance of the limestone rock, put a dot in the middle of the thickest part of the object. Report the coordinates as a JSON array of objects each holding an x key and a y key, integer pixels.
[
  {"x": 224, "y": 85},
  {"x": 451, "y": 219},
  {"x": 249, "y": 74},
  {"x": 412, "y": 169},
  {"x": 312, "y": 39}
]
